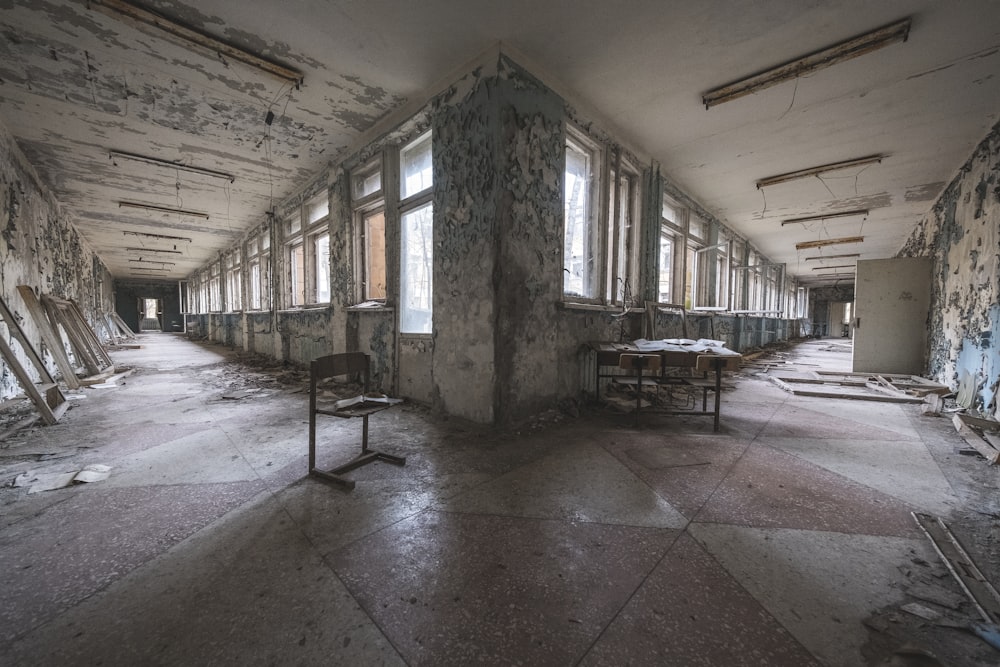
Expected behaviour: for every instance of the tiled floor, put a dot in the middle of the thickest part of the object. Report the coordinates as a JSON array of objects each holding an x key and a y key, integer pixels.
[{"x": 586, "y": 542}]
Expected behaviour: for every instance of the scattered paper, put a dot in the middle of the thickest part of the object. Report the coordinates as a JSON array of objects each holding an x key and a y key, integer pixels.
[
  {"x": 365, "y": 398},
  {"x": 49, "y": 481}
]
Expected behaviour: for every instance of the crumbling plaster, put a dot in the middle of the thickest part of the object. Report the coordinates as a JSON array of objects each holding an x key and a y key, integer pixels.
[
  {"x": 961, "y": 234},
  {"x": 40, "y": 247}
]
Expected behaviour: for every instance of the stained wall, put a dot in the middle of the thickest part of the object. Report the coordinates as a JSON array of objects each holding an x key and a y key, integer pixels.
[
  {"x": 41, "y": 248},
  {"x": 962, "y": 235}
]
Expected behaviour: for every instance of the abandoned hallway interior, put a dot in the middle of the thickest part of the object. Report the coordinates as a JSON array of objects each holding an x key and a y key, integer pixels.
[{"x": 780, "y": 540}]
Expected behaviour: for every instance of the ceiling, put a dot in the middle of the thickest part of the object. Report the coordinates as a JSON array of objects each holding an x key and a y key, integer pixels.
[{"x": 77, "y": 83}]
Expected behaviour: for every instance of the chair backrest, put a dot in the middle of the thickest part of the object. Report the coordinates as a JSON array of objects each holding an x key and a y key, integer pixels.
[{"x": 345, "y": 363}]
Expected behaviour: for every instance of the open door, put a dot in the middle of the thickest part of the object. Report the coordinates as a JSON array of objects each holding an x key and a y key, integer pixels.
[{"x": 892, "y": 297}]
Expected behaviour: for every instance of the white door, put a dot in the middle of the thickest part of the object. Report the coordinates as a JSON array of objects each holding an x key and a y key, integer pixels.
[{"x": 892, "y": 297}]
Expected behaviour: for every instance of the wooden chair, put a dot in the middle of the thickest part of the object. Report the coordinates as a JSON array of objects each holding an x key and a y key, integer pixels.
[{"x": 334, "y": 365}]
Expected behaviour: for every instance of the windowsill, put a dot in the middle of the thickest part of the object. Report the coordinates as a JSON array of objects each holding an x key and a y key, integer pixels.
[
  {"x": 375, "y": 308},
  {"x": 299, "y": 309},
  {"x": 416, "y": 336},
  {"x": 595, "y": 307}
]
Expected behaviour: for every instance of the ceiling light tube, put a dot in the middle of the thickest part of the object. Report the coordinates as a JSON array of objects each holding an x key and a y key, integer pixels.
[
  {"x": 827, "y": 268},
  {"x": 172, "y": 252},
  {"x": 148, "y": 261},
  {"x": 125, "y": 10},
  {"x": 159, "y": 236},
  {"x": 816, "y": 171},
  {"x": 162, "y": 209},
  {"x": 825, "y": 216},
  {"x": 822, "y": 257},
  {"x": 813, "y": 62},
  {"x": 825, "y": 242},
  {"x": 113, "y": 155}
]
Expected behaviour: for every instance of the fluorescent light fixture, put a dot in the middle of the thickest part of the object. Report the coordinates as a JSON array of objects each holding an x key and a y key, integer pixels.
[
  {"x": 143, "y": 268},
  {"x": 135, "y": 157},
  {"x": 825, "y": 242},
  {"x": 163, "y": 237},
  {"x": 822, "y": 257},
  {"x": 162, "y": 209},
  {"x": 200, "y": 40},
  {"x": 172, "y": 252},
  {"x": 147, "y": 261},
  {"x": 816, "y": 171},
  {"x": 827, "y": 268},
  {"x": 813, "y": 62},
  {"x": 825, "y": 216}
]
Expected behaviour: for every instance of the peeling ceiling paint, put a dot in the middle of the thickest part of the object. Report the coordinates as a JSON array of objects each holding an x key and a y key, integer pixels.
[{"x": 76, "y": 83}]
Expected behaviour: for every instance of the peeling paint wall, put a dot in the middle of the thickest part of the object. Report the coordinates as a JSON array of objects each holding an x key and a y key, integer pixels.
[
  {"x": 465, "y": 152},
  {"x": 962, "y": 236},
  {"x": 529, "y": 219},
  {"x": 40, "y": 247}
]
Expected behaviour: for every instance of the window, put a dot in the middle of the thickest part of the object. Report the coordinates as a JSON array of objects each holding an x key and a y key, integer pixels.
[
  {"x": 253, "y": 273},
  {"x": 320, "y": 248},
  {"x": 297, "y": 273},
  {"x": 416, "y": 270},
  {"x": 373, "y": 234},
  {"x": 623, "y": 203},
  {"x": 415, "y": 167},
  {"x": 581, "y": 274},
  {"x": 214, "y": 288},
  {"x": 369, "y": 217},
  {"x": 234, "y": 281},
  {"x": 666, "y": 281},
  {"x": 711, "y": 286}
]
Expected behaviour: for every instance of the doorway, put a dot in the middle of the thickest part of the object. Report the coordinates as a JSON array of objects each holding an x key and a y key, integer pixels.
[{"x": 150, "y": 312}]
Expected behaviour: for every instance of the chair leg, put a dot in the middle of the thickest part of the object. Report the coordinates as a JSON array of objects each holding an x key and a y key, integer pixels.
[{"x": 367, "y": 456}]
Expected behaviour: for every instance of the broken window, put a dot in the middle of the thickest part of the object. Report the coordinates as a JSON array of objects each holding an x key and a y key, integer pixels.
[
  {"x": 369, "y": 220},
  {"x": 373, "y": 233},
  {"x": 234, "y": 281}
]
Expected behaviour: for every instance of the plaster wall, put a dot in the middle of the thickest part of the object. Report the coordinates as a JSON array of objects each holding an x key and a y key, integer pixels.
[
  {"x": 41, "y": 248},
  {"x": 961, "y": 234}
]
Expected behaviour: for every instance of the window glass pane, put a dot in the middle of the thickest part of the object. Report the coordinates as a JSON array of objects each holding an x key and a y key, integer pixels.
[
  {"x": 621, "y": 239},
  {"x": 416, "y": 270},
  {"x": 253, "y": 247},
  {"x": 697, "y": 227},
  {"x": 671, "y": 212},
  {"x": 321, "y": 252},
  {"x": 265, "y": 240},
  {"x": 666, "y": 268},
  {"x": 689, "y": 276},
  {"x": 296, "y": 265},
  {"x": 367, "y": 184},
  {"x": 415, "y": 167},
  {"x": 374, "y": 235},
  {"x": 580, "y": 274},
  {"x": 255, "y": 285},
  {"x": 293, "y": 224},
  {"x": 317, "y": 208}
]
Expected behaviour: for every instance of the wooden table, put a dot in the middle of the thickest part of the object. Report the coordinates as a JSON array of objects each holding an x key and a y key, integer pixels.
[{"x": 609, "y": 355}]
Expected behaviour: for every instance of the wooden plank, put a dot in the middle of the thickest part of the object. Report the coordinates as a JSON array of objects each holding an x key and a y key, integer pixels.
[
  {"x": 990, "y": 453},
  {"x": 50, "y": 335},
  {"x": 979, "y": 422}
]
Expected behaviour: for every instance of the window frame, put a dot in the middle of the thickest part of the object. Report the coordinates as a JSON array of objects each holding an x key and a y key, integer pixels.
[
  {"x": 365, "y": 205},
  {"x": 408, "y": 205},
  {"x": 593, "y": 280}
]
